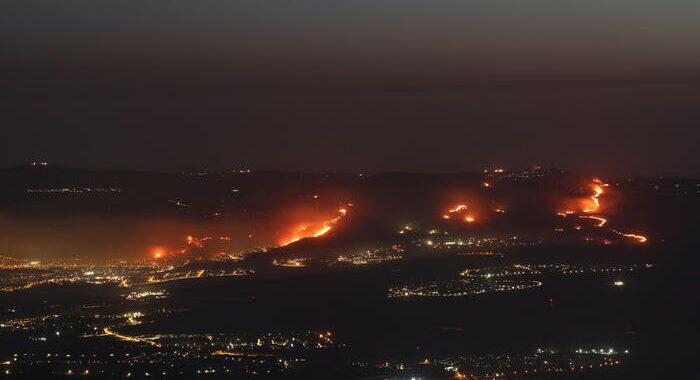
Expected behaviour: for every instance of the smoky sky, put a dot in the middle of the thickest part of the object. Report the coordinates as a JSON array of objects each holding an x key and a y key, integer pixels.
[{"x": 601, "y": 87}]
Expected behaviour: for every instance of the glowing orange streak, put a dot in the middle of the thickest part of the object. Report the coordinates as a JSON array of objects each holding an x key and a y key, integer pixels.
[
  {"x": 325, "y": 229},
  {"x": 639, "y": 238},
  {"x": 597, "y": 192},
  {"x": 601, "y": 221},
  {"x": 598, "y": 186},
  {"x": 290, "y": 241},
  {"x": 322, "y": 231}
]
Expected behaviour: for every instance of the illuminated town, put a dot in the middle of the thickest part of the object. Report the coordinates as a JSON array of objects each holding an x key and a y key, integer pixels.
[{"x": 504, "y": 279}]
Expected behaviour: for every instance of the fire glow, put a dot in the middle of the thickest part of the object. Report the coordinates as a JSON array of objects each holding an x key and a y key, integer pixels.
[
  {"x": 597, "y": 192},
  {"x": 638, "y": 238},
  {"x": 459, "y": 209},
  {"x": 601, "y": 221},
  {"x": 313, "y": 230},
  {"x": 594, "y": 206},
  {"x": 157, "y": 252}
]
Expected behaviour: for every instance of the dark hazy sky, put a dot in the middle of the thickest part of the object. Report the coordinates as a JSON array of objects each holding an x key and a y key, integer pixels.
[{"x": 609, "y": 87}]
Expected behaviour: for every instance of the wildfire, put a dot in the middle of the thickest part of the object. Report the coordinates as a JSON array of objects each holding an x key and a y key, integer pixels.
[
  {"x": 322, "y": 231},
  {"x": 459, "y": 209},
  {"x": 314, "y": 230},
  {"x": 594, "y": 206},
  {"x": 308, "y": 231},
  {"x": 639, "y": 238},
  {"x": 597, "y": 192},
  {"x": 158, "y": 253},
  {"x": 601, "y": 221}
]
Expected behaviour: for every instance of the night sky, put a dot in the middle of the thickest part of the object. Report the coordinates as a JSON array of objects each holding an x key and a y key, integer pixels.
[{"x": 601, "y": 87}]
